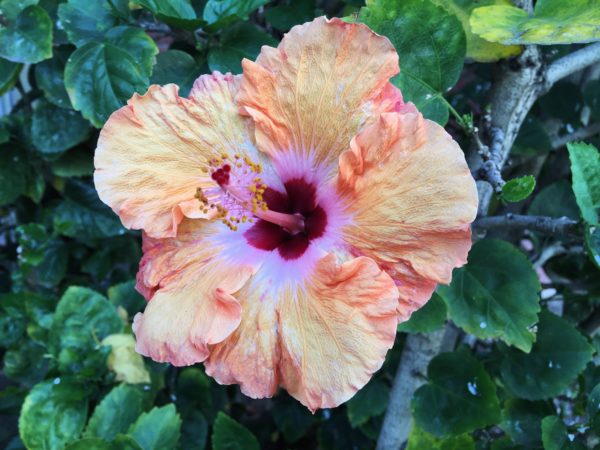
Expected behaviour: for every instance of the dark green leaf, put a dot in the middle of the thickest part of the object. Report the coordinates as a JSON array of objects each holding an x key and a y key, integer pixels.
[
  {"x": 57, "y": 129},
  {"x": 115, "y": 413},
  {"x": 292, "y": 418},
  {"x": 592, "y": 242},
  {"x": 459, "y": 396},
  {"x": 49, "y": 76},
  {"x": 559, "y": 354},
  {"x": 585, "y": 167},
  {"x": 86, "y": 21},
  {"x": 556, "y": 200},
  {"x": 230, "y": 435},
  {"x": 28, "y": 38},
  {"x": 495, "y": 295},
  {"x": 26, "y": 362},
  {"x": 219, "y": 13},
  {"x": 137, "y": 43},
  {"x": 591, "y": 96},
  {"x": 532, "y": 139},
  {"x": 175, "y": 66},
  {"x": 90, "y": 444},
  {"x": 420, "y": 440},
  {"x": 12, "y": 318},
  {"x": 284, "y": 17},
  {"x": 178, "y": 13},
  {"x": 157, "y": 429},
  {"x": 522, "y": 421},
  {"x": 518, "y": 189},
  {"x": 74, "y": 163},
  {"x": 554, "y": 433},
  {"x": 239, "y": 41},
  {"x": 125, "y": 295},
  {"x": 426, "y": 319},
  {"x": 53, "y": 414},
  {"x": 13, "y": 173},
  {"x": 9, "y": 74},
  {"x": 431, "y": 45},
  {"x": 194, "y": 431},
  {"x": 82, "y": 319},
  {"x": 370, "y": 401},
  {"x": 81, "y": 214}
]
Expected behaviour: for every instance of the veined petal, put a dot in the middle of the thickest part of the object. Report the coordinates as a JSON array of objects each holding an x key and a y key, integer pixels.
[
  {"x": 412, "y": 200},
  {"x": 151, "y": 153},
  {"x": 321, "y": 341},
  {"x": 189, "y": 285},
  {"x": 315, "y": 91}
]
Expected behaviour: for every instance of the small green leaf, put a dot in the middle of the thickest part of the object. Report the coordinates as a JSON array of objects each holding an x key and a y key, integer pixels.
[
  {"x": 53, "y": 414},
  {"x": 429, "y": 318},
  {"x": 555, "y": 200},
  {"x": 82, "y": 319},
  {"x": 239, "y": 41},
  {"x": 115, "y": 413},
  {"x": 13, "y": 173},
  {"x": 431, "y": 45},
  {"x": 27, "y": 38},
  {"x": 230, "y": 435},
  {"x": 458, "y": 398},
  {"x": 370, "y": 401},
  {"x": 554, "y": 433},
  {"x": 157, "y": 429},
  {"x": 9, "y": 74},
  {"x": 522, "y": 421},
  {"x": 585, "y": 167},
  {"x": 559, "y": 354},
  {"x": 518, "y": 189},
  {"x": 57, "y": 129},
  {"x": 495, "y": 295},
  {"x": 175, "y": 66},
  {"x": 86, "y": 21},
  {"x": 553, "y": 22},
  {"x": 219, "y": 13},
  {"x": 49, "y": 76},
  {"x": 420, "y": 440}
]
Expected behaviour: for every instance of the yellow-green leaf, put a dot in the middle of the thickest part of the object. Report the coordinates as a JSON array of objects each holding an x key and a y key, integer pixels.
[{"x": 123, "y": 359}]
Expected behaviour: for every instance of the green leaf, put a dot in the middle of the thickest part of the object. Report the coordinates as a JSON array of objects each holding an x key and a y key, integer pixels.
[
  {"x": 495, "y": 295},
  {"x": 12, "y": 8},
  {"x": 81, "y": 214},
  {"x": 426, "y": 319},
  {"x": 178, "y": 13},
  {"x": 115, "y": 413},
  {"x": 591, "y": 97},
  {"x": 86, "y": 21},
  {"x": 13, "y": 173},
  {"x": 9, "y": 74},
  {"x": 370, "y": 401},
  {"x": 477, "y": 48},
  {"x": 230, "y": 435},
  {"x": 554, "y": 433},
  {"x": 593, "y": 405},
  {"x": 592, "y": 243},
  {"x": 101, "y": 77},
  {"x": 219, "y": 13},
  {"x": 194, "y": 431},
  {"x": 12, "y": 319},
  {"x": 175, "y": 66},
  {"x": 157, "y": 429},
  {"x": 90, "y": 444},
  {"x": 53, "y": 414},
  {"x": 522, "y": 421},
  {"x": 137, "y": 43},
  {"x": 125, "y": 295},
  {"x": 585, "y": 167},
  {"x": 284, "y": 17},
  {"x": 555, "y": 200},
  {"x": 291, "y": 418},
  {"x": 458, "y": 398},
  {"x": 431, "y": 45},
  {"x": 74, "y": 163},
  {"x": 553, "y": 22},
  {"x": 242, "y": 40},
  {"x": 533, "y": 139},
  {"x": 518, "y": 189},
  {"x": 27, "y": 38},
  {"x": 82, "y": 319},
  {"x": 49, "y": 76},
  {"x": 559, "y": 354},
  {"x": 124, "y": 361},
  {"x": 57, "y": 129},
  {"x": 26, "y": 362},
  {"x": 420, "y": 440}
]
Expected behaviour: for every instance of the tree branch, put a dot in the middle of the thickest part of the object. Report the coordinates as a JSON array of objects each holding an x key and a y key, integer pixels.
[
  {"x": 580, "y": 134},
  {"x": 490, "y": 170},
  {"x": 543, "y": 224},
  {"x": 572, "y": 63}
]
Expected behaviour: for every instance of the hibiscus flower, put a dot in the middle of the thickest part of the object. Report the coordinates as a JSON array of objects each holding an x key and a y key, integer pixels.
[{"x": 292, "y": 216}]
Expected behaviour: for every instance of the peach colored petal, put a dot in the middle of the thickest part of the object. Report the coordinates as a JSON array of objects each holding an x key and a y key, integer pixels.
[
  {"x": 151, "y": 153},
  {"x": 321, "y": 341},
  {"x": 189, "y": 286},
  {"x": 315, "y": 91},
  {"x": 412, "y": 198}
]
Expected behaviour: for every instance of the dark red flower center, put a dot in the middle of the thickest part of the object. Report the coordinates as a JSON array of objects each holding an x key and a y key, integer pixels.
[{"x": 299, "y": 198}]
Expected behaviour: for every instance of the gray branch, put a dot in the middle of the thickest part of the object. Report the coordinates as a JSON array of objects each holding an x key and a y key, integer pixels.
[
  {"x": 572, "y": 63},
  {"x": 578, "y": 135},
  {"x": 543, "y": 224},
  {"x": 491, "y": 169}
]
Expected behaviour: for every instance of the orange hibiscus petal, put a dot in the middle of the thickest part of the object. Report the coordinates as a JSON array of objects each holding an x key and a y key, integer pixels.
[
  {"x": 321, "y": 341},
  {"x": 315, "y": 91},
  {"x": 412, "y": 199},
  {"x": 189, "y": 285},
  {"x": 151, "y": 152}
]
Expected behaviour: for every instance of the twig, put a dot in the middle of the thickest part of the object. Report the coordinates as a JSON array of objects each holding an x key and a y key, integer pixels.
[
  {"x": 543, "y": 224},
  {"x": 580, "y": 134},
  {"x": 572, "y": 63},
  {"x": 490, "y": 170}
]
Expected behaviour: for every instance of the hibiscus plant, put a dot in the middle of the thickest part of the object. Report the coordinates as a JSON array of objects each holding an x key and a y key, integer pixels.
[{"x": 328, "y": 224}]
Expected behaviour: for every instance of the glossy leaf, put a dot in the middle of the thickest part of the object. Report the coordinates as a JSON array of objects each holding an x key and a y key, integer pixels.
[
  {"x": 429, "y": 318},
  {"x": 522, "y": 421},
  {"x": 585, "y": 167},
  {"x": 13, "y": 173},
  {"x": 431, "y": 45},
  {"x": 219, "y": 13},
  {"x": 178, "y": 13},
  {"x": 175, "y": 66},
  {"x": 559, "y": 354},
  {"x": 49, "y": 76},
  {"x": 57, "y": 129},
  {"x": 495, "y": 295},
  {"x": 421, "y": 440},
  {"x": 457, "y": 382},
  {"x": 518, "y": 189},
  {"x": 554, "y": 433},
  {"x": 592, "y": 243},
  {"x": 27, "y": 38},
  {"x": 9, "y": 74},
  {"x": 157, "y": 429},
  {"x": 283, "y": 17},
  {"x": 137, "y": 43},
  {"x": 553, "y": 22},
  {"x": 370, "y": 401},
  {"x": 555, "y": 200},
  {"x": 230, "y": 435},
  {"x": 86, "y": 21}
]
